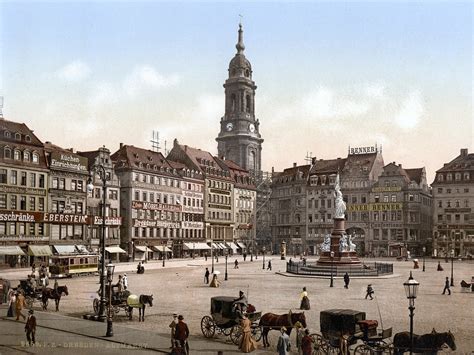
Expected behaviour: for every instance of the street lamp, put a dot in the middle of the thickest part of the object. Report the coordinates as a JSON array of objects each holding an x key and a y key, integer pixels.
[
  {"x": 446, "y": 250},
  {"x": 212, "y": 256},
  {"x": 452, "y": 259},
  {"x": 110, "y": 277},
  {"x": 263, "y": 252},
  {"x": 104, "y": 177},
  {"x": 424, "y": 251},
  {"x": 193, "y": 249},
  {"x": 163, "y": 256},
  {"x": 225, "y": 275},
  {"x": 332, "y": 265},
  {"x": 411, "y": 289}
]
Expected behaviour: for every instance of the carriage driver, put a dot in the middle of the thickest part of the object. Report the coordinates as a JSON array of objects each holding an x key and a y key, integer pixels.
[{"x": 240, "y": 304}]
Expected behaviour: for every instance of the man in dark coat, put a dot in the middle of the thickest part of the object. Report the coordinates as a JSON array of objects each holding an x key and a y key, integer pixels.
[
  {"x": 446, "y": 286},
  {"x": 30, "y": 327},
  {"x": 181, "y": 334},
  {"x": 206, "y": 276},
  {"x": 346, "y": 280}
]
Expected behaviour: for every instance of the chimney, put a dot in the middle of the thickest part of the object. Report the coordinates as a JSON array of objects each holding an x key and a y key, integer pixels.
[
  {"x": 400, "y": 165},
  {"x": 121, "y": 145},
  {"x": 464, "y": 152},
  {"x": 313, "y": 160},
  {"x": 294, "y": 165}
]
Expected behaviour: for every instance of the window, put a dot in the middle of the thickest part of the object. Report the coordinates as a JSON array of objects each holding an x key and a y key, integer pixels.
[
  {"x": 449, "y": 177},
  {"x": 41, "y": 181},
  {"x": 22, "y": 202},
  {"x": 440, "y": 190},
  {"x": 385, "y": 198},
  {"x": 377, "y": 198},
  {"x": 40, "y": 203},
  {"x": 32, "y": 203},
  {"x": 440, "y": 218},
  {"x": 32, "y": 180},
  {"x": 18, "y": 136},
  {"x": 440, "y": 177},
  {"x": 13, "y": 177},
  {"x": 466, "y": 176},
  {"x": 144, "y": 196},
  {"x": 7, "y": 153},
  {"x": 3, "y": 176},
  {"x": 137, "y": 195},
  {"x": 55, "y": 183},
  {"x": 35, "y": 158},
  {"x": 113, "y": 194},
  {"x": 394, "y": 198},
  {"x": 62, "y": 184},
  {"x": 23, "y": 178},
  {"x": 457, "y": 177},
  {"x": 7, "y": 134},
  {"x": 26, "y": 156},
  {"x": 17, "y": 154},
  {"x": 3, "y": 201}
]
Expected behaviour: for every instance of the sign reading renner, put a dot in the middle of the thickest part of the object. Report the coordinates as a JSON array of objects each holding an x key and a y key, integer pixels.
[{"x": 70, "y": 162}]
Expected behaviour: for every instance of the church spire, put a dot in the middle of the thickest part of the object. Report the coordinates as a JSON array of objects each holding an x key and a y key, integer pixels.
[{"x": 240, "y": 44}]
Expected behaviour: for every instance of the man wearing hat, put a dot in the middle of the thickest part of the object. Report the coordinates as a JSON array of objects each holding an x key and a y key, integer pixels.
[
  {"x": 172, "y": 325},
  {"x": 284, "y": 345},
  {"x": 240, "y": 304},
  {"x": 125, "y": 281},
  {"x": 370, "y": 291},
  {"x": 30, "y": 327},
  {"x": 181, "y": 334}
]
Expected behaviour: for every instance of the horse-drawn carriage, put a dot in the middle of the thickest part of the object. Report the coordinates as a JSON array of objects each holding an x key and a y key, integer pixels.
[
  {"x": 342, "y": 328},
  {"x": 31, "y": 293},
  {"x": 225, "y": 320}
]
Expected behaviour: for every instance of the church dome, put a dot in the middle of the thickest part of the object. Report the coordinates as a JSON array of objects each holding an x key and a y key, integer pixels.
[{"x": 239, "y": 65}]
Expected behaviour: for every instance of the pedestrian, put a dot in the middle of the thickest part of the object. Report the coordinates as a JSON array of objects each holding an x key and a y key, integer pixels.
[
  {"x": 206, "y": 276},
  {"x": 30, "y": 327},
  {"x": 119, "y": 285},
  {"x": 236, "y": 264},
  {"x": 181, "y": 334},
  {"x": 440, "y": 268},
  {"x": 307, "y": 343},
  {"x": 125, "y": 281},
  {"x": 55, "y": 287},
  {"x": 11, "y": 302},
  {"x": 446, "y": 286},
  {"x": 284, "y": 345},
  {"x": 269, "y": 266},
  {"x": 20, "y": 303},
  {"x": 304, "y": 300},
  {"x": 214, "y": 282},
  {"x": 172, "y": 325},
  {"x": 299, "y": 336},
  {"x": 370, "y": 292},
  {"x": 247, "y": 343},
  {"x": 205, "y": 256},
  {"x": 33, "y": 269},
  {"x": 245, "y": 256},
  {"x": 346, "y": 280},
  {"x": 217, "y": 258}
]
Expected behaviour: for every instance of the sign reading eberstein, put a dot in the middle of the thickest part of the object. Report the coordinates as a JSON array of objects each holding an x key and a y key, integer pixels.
[{"x": 70, "y": 162}]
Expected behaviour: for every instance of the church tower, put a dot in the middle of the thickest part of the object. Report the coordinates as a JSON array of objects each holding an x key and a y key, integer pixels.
[{"x": 239, "y": 138}]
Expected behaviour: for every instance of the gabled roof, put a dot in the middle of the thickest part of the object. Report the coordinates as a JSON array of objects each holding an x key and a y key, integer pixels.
[
  {"x": 241, "y": 177},
  {"x": 359, "y": 164},
  {"x": 15, "y": 127},
  {"x": 131, "y": 157},
  {"x": 415, "y": 174},
  {"x": 325, "y": 166},
  {"x": 462, "y": 162}
]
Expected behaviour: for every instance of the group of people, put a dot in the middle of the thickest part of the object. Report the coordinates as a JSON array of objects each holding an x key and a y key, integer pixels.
[
  {"x": 304, "y": 342},
  {"x": 16, "y": 304},
  {"x": 122, "y": 283},
  {"x": 179, "y": 335}
]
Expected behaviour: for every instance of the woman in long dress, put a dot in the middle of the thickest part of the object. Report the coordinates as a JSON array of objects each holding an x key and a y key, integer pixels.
[
  {"x": 304, "y": 300},
  {"x": 214, "y": 282},
  {"x": 247, "y": 344}
]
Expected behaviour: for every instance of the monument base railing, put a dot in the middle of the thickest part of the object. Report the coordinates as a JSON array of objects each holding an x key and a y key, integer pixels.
[{"x": 366, "y": 269}]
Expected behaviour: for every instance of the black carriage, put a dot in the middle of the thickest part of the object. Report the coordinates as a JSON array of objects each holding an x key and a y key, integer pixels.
[
  {"x": 115, "y": 299},
  {"x": 343, "y": 328},
  {"x": 31, "y": 292},
  {"x": 225, "y": 320}
]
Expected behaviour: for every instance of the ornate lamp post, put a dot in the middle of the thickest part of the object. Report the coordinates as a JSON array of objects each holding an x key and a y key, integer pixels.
[
  {"x": 424, "y": 251},
  {"x": 163, "y": 256},
  {"x": 212, "y": 256},
  {"x": 110, "y": 277},
  {"x": 226, "y": 254},
  {"x": 104, "y": 177},
  {"x": 452, "y": 259},
  {"x": 332, "y": 266},
  {"x": 411, "y": 289},
  {"x": 263, "y": 252}
]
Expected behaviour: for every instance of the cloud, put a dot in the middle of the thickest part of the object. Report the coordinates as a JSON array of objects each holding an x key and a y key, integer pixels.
[
  {"x": 74, "y": 72},
  {"x": 146, "y": 77},
  {"x": 411, "y": 110}
]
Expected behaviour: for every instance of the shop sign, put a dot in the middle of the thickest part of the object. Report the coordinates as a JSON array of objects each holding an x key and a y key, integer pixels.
[
  {"x": 375, "y": 207},
  {"x": 193, "y": 209},
  {"x": 187, "y": 224},
  {"x": 192, "y": 194},
  {"x": 387, "y": 189},
  {"x": 64, "y": 218},
  {"x": 146, "y": 223},
  {"x": 22, "y": 190},
  {"x": 140, "y": 205},
  {"x": 109, "y": 221},
  {"x": 362, "y": 150},
  {"x": 14, "y": 216},
  {"x": 70, "y": 162}
]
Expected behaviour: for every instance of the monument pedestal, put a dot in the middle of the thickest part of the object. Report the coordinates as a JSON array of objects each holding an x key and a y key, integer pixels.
[{"x": 340, "y": 257}]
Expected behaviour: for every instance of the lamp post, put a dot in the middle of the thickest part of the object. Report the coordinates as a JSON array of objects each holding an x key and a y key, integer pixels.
[
  {"x": 193, "y": 250},
  {"x": 452, "y": 259},
  {"x": 263, "y": 263},
  {"x": 446, "y": 250},
  {"x": 104, "y": 177},
  {"x": 411, "y": 289},
  {"x": 212, "y": 256},
  {"x": 110, "y": 277},
  {"x": 332, "y": 265},
  {"x": 163, "y": 256},
  {"x": 424, "y": 251},
  {"x": 226, "y": 254}
]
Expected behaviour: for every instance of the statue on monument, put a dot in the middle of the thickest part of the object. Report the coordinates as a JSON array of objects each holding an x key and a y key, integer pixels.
[
  {"x": 343, "y": 246},
  {"x": 352, "y": 246},
  {"x": 339, "y": 203},
  {"x": 326, "y": 246}
]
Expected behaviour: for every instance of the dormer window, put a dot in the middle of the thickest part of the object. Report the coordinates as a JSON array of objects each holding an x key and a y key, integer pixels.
[
  {"x": 26, "y": 156},
  {"x": 7, "y": 153},
  {"x": 27, "y": 138},
  {"x": 35, "y": 158},
  {"x": 7, "y": 134},
  {"x": 440, "y": 177},
  {"x": 18, "y": 136},
  {"x": 17, "y": 154}
]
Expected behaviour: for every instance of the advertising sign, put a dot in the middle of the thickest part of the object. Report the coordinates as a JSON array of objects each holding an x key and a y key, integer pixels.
[{"x": 70, "y": 162}]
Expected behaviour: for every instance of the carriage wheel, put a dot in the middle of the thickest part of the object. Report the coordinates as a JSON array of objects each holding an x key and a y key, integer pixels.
[
  {"x": 364, "y": 349},
  {"x": 236, "y": 334},
  {"x": 256, "y": 332},
  {"x": 208, "y": 327},
  {"x": 115, "y": 309},
  {"x": 320, "y": 345},
  {"x": 96, "y": 304},
  {"x": 226, "y": 331},
  {"x": 29, "y": 302}
]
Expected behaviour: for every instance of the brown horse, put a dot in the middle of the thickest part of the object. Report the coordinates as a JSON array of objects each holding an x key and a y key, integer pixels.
[
  {"x": 271, "y": 321},
  {"x": 429, "y": 343},
  {"x": 50, "y": 293}
]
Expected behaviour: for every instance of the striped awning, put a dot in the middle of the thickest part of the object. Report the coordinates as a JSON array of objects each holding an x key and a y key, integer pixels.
[
  {"x": 196, "y": 246},
  {"x": 81, "y": 249},
  {"x": 115, "y": 249},
  {"x": 65, "y": 249},
  {"x": 216, "y": 246},
  {"x": 11, "y": 250},
  {"x": 159, "y": 248},
  {"x": 39, "y": 250},
  {"x": 142, "y": 248},
  {"x": 233, "y": 246}
]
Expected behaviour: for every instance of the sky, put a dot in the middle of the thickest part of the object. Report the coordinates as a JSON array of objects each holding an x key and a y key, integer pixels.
[{"x": 329, "y": 74}]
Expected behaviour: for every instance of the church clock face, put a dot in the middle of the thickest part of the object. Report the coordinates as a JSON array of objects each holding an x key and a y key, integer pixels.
[
  {"x": 229, "y": 127},
  {"x": 251, "y": 128}
]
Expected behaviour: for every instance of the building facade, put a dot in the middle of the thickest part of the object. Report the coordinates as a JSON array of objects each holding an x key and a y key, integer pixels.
[
  {"x": 453, "y": 203},
  {"x": 239, "y": 138}
]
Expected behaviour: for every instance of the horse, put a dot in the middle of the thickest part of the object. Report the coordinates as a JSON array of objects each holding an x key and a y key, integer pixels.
[
  {"x": 271, "y": 321},
  {"x": 429, "y": 343},
  {"x": 134, "y": 301},
  {"x": 51, "y": 293}
]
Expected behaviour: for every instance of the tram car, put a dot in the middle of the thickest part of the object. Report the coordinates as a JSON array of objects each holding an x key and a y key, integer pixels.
[{"x": 72, "y": 265}]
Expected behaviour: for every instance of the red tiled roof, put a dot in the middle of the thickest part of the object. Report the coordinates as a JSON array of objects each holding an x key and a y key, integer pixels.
[
  {"x": 415, "y": 174},
  {"x": 133, "y": 157}
]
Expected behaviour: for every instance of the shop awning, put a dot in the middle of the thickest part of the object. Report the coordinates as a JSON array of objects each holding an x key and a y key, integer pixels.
[
  {"x": 233, "y": 246},
  {"x": 81, "y": 249},
  {"x": 240, "y": 245},
  {"x": 224, "y": 246},
  {"x": 196, "y": 246},
  {"x": 11, "y": 250},
  {"x": 65, "y": 249},
  {"x": 142, "y": 248},
  {"x": 216, "y": 246},
  {"x": 39, "y": 250},
  {"x": 159, "y": 248},
  {"x": 115, "y": 249}
]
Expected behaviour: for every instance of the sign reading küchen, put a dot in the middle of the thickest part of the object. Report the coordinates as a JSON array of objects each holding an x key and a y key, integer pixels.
[{"x": 70, "y": 162}]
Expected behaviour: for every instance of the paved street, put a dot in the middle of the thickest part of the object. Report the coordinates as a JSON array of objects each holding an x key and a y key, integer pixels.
[{"x": 179, "y": 287}]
